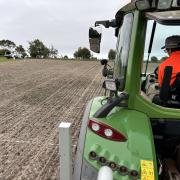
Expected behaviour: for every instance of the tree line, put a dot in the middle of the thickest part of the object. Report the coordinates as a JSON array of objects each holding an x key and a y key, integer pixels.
[
  {"x": 37, "y": 49},
  {"x": 84, "y": 53},
  {"x": 154, "y": 59}
]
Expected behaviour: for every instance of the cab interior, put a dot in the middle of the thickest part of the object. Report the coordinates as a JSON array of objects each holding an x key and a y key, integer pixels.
[{"x": 166, "y": 131}]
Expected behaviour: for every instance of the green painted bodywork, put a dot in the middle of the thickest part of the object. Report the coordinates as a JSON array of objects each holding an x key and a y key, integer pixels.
[
  {"x": 134, "y": 121},
  {"x": 139, "y": 145}
]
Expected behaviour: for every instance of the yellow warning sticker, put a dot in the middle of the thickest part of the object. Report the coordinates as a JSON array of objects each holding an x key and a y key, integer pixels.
[{"x": 147, "y": 170}]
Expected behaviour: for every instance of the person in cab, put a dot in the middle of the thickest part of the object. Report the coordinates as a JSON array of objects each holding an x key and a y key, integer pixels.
[
  {"x": 169, "y": 75},
  {"x": 172, "y": 47}
]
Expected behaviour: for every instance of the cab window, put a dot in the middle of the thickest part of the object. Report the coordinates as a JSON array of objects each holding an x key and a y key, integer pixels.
[
  {"x": 123, "y": 44},
  {"x": 149, "y": 85}
]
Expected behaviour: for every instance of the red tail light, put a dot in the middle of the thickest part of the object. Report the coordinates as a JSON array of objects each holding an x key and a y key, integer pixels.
[{"x": 106, "y": 131}]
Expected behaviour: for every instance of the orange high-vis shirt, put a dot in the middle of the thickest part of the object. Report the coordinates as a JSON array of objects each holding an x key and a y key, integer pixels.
[{"x": 174, "y": 61}]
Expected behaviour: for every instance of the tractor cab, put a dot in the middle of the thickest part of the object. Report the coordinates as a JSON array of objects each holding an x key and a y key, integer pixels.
[
  {"x": 159, "y": 25},
  {"x": 135, "y": 129}
]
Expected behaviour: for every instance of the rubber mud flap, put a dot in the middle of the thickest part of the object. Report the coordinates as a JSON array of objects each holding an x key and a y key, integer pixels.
[{"x": 80, "y": 147}]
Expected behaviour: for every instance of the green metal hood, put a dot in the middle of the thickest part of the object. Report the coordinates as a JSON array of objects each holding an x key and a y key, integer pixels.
[{"x": 139, "y": 145}]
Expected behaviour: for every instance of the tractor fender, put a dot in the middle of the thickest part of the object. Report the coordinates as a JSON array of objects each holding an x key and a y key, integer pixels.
[{"x": 80, "y": 147}]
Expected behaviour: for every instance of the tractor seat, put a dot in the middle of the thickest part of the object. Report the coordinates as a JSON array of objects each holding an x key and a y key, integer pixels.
[{"x": 169, "y": 96}]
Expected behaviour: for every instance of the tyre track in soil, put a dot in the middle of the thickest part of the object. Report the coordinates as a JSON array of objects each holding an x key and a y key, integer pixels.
[
  {"x": 31, "y": 78},
  {"x": 31, "y": 151},
  {"x": 24, "y": 85},
  {"x": 12, "y": 94},
  {"x": 65, "y": 116},
  {"x": 39, "y": 106},
  {"x": 10, "y": 112},
  {"x": 52, "y": 160},
  {"x": 76, "y": 118},
  {"x": 47, "y": 118},
  {"x": 24, "y": 77},
  {"x": 7, "y": 117},
  {"x": 24, "y": 88},
  {"x": 16, "y": 107},
  {"x": 55, "y": 133},
  {"x": 47, "y": 115},
  {"x": 27, "y": 78},
  {"x": 23, "y": 71}
]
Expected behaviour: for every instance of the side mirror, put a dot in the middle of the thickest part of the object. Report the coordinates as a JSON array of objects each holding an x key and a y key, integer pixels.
[{"x": 95, "y": 38}]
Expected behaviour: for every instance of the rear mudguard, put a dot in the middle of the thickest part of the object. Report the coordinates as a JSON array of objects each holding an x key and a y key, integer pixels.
[
  {"x": 80, "y": 148},
  {"x": 138, "y": 148}
]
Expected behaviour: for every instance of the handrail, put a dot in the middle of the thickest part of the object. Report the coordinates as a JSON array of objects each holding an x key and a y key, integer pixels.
[{"x": 65, "y": 150}]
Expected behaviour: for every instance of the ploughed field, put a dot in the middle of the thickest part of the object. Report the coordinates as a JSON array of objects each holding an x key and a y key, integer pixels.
[{"x": 35, "y": 97}]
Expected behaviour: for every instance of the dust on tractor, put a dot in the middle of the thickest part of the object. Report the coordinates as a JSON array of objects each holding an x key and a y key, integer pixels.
[{"x": 128, "y": 133}]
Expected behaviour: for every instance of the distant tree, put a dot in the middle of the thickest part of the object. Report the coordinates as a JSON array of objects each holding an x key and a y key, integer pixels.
[
  {"x": 65, "y": 57},
  {"x": 112, "y": 54},
  {"x": 53, "y": 52},
  {"x": 38, "y": 50},
  {"x": 7, "y": 44},
  {"x": 82, "y": 53},
  {"x": 154, "y": 59},
  {"x": 20, "y": 49},
  {"x": 4, "y": 51},
  {"x": 163, "y": 58}
]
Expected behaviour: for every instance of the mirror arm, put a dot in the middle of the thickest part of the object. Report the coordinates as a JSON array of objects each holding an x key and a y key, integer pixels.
[
  {"x": 106, "y": 24},
  {"x": 112, "y": 23}
]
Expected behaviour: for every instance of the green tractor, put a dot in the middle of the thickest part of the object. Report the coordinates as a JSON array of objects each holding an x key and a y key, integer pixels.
[{"x": 133, "y": 132}]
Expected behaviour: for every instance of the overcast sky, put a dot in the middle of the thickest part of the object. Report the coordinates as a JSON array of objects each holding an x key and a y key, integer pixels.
[
  {"x": 65, "y": 23},
  {"x": 61, "y": 23}
]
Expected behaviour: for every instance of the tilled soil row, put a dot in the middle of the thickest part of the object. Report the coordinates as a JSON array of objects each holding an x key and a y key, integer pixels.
[
  {"x": 36, "y": 79},
  {"x": 75, "y": 117},
  {"x": 34, "y": 97},
  {"x": 29, "y": 121},
  {"x": 16, "y": 74},
  {"x": 54, "y": 104},
  {"x": 24, "y": 86}
]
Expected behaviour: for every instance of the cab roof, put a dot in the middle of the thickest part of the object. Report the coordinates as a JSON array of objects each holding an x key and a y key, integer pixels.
[
  {"x": 166, "y": 17},
  {"x": 169, "y": 16},
  {"x": 130, "y": 5}
]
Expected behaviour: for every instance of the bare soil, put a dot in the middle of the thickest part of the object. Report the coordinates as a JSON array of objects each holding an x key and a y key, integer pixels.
[{"x": 35, "y": 97}]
